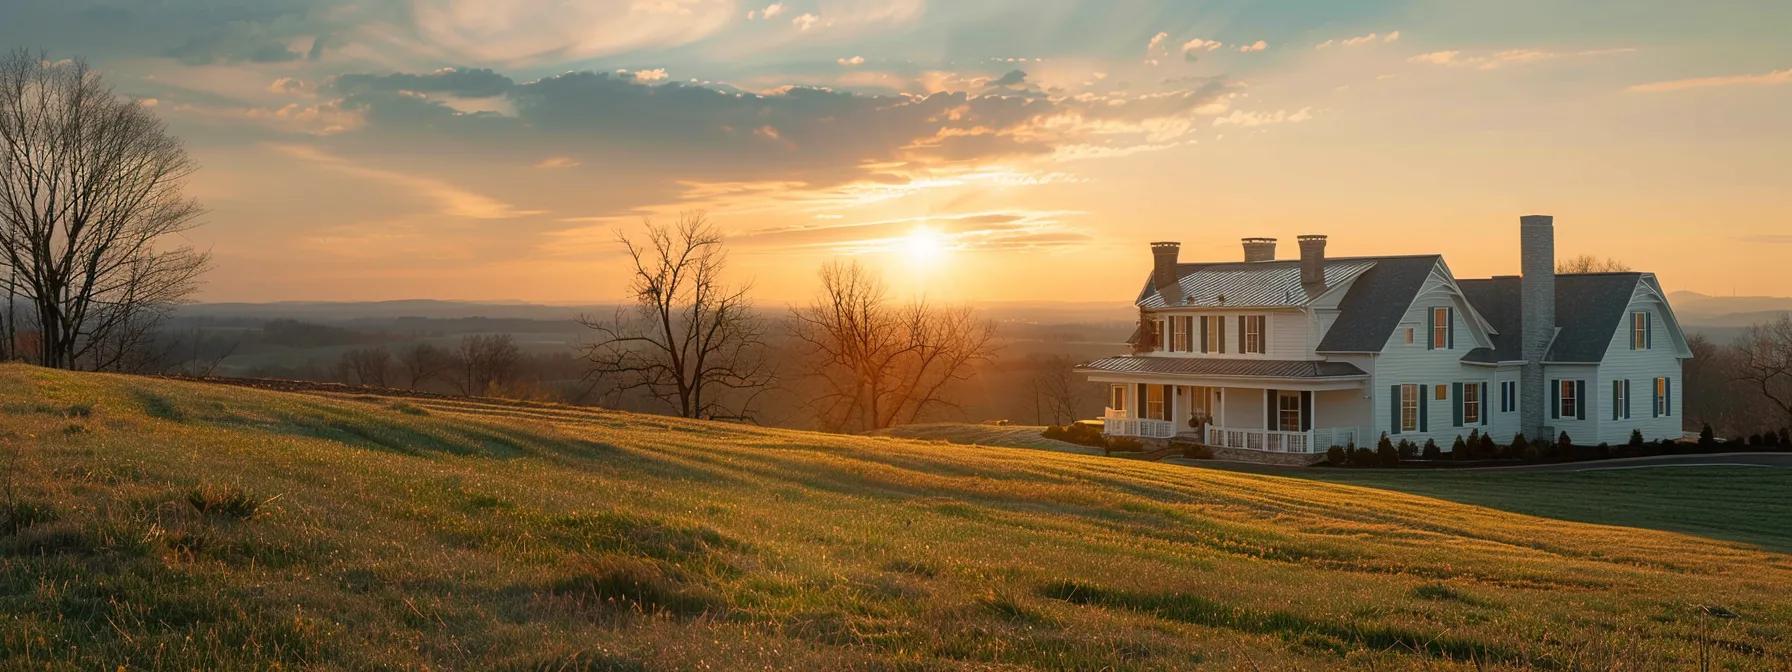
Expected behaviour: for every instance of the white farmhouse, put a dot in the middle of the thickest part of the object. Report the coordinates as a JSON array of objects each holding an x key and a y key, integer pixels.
[{"x": 1282, "y": 359}]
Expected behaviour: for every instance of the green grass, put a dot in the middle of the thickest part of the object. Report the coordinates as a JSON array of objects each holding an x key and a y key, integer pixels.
[
  {"x": 1012, "y": 436},
  {"x": 204, "y": 527}
]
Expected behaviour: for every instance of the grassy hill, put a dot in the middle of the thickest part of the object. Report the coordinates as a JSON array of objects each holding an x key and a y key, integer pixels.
[{"x": 165, "y": 525}]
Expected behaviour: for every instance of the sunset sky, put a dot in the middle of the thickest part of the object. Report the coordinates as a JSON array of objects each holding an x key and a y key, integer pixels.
[{"x": 989, "y": 151}]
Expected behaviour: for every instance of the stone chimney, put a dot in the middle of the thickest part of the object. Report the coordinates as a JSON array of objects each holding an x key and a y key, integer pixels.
[
  {"x": 1259, "y": 249},
  {"x": 1312, "y": 260},
  {"x": 1163, "y": 271},
  {"x": 1537, "y": 292}
]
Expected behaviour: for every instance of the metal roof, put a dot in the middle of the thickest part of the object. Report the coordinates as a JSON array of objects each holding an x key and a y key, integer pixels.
[
  {"x": 1260, "y": 284},
  {"x": 1241, "y": 368}
]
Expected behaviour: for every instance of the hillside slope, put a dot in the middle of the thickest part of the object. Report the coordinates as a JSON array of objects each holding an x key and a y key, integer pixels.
[{"x": 458, "y": 534}]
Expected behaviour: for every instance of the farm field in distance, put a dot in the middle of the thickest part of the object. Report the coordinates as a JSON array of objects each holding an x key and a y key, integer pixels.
[{"x": 156, "y": 524}]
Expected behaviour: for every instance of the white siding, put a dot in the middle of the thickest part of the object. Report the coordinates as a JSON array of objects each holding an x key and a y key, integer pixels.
[
  {"x": 1641, "y": 368},
  {"x": 1402, "y": 364},
  {"x": 1291, "y": 335},
  {"x": 1582, "y": 432}
]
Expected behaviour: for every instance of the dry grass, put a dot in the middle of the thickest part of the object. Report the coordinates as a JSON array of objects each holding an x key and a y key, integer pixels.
[{"x": 479, "y": 536}]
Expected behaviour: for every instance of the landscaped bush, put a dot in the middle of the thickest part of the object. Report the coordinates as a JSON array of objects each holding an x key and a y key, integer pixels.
[
  {"x": 1406, "y": 450},
  {"x": 1336, "y": 456},
  {"x": 1459, "y": 449},
  {"x": 1488, "y": 449},
  {"x": 1387, "y": 456},
  {"x": 1081, "y": 434},
  {"x": 1362, "y": 457},
  {"x": 1519, "y": 447},
  {"x": 1122, "y": 444},
  {"x": 1430, "y": 452}
]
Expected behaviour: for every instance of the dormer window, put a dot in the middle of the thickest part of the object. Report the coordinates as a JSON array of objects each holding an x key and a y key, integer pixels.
[{"x": 1640, "y": 331}]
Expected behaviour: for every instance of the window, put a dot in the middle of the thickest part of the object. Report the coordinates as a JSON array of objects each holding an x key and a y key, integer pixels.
[
  {"x": 1181, "y": 334},
  {"x": 1288, "y": 411},
  {"x": 1154, "y": 401},
  {"x": 1620, "y": 400},
  {"x": 1639, "y": 331},
  {"x": 1409, "y": 408},
  {"x": 1440, "y": 328},
  {"x": 1570, "y": 405},
  {"x": 1409, "y": 335},
  {"x": 1443, "y": 392},
  {"x": 1471, "y": 403},
  {"x": 1509, "y": 396},
  {"x": 1252, "y": 328},
  {"x": 1156, "y": 334},
  {"x": 1215, "y": 338},
  {"x": 1117, "y": 397},
  {"x": 1663, "y": 400}
]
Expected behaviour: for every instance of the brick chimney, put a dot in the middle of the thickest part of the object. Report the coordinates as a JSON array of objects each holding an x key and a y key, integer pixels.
[
  {"x": 1163, "y": 271},
  {"x": 1259, "y": 249},
  {"x": 1312, "y": 260},
  {"x": 1537, "y": 292}
]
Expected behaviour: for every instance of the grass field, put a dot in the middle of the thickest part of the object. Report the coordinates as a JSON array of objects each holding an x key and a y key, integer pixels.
[
  {"x": 163, "y": 525},
  {"x": 1014, "y": 436}
]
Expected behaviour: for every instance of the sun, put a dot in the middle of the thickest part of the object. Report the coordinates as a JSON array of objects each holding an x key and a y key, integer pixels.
[{"x": 924, "y": 247}]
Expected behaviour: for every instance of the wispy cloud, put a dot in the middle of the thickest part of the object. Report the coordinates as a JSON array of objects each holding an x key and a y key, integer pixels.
[
  {"x": 1259, "y": 45},
  {"x": 850, "y": 61},
  {"x": 1249, "y": 119},
  {"x": 1360, "y": 40},
  {"x": 1773, "y": 78},
  {"x": 448, "y": 199},
  {"x": 1500, "y": 59},
  {"x": 770, "y": 11},
  {"x": 1193, "y": 48}
]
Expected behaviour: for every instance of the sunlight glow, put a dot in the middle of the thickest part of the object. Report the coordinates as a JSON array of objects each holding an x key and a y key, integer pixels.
[{"x": 924, "y": 248}]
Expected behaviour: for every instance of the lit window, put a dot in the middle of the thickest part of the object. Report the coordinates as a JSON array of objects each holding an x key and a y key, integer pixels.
[
  {"x": 1117, "y": 397},
  {"x": 1471, "y": 403},
  {"x": 1661, "y": 397},
  {"x": 1409, "y": 408},
  {"x": 1182, "y": 332},
  {"x": 1440, "y": 328},
  {"x": 1253, "y": 326},
  {"x": 1410, "y": 335},
  {"x": 1639, "y": 331},
  {"x": 1570, "y": 405},
  {"x": 1216, "y": 334},
  {"x": 1443, "y": 393},
  {"x": 1154, "y": 401},
  {"x": 1288, "y": 411}
]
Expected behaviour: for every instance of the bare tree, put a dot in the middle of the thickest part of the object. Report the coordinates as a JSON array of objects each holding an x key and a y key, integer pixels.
[
  {"x": 689, "y": 340},
  {"x": 366, "y": 366},
  {"x": 421, "y": 363},
  {"x": 1764, "y": 357},
  {"x": 1588, "y": 263},
  {"x": 486, "y": 363},
  {"x": 884, "y": 363},
  {"x": 1057, "y": 393},
  {"x": 90, "y": 189}
]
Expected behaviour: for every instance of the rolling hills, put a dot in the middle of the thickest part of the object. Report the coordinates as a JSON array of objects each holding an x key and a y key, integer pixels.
[{"x": 168, "y": 525}]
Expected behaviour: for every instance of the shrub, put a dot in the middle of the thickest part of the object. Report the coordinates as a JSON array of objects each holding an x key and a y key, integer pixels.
[
  {"x": 1473, "y": 444},
  {"x": 230, "y": 501},
  {"x": 1407, "y": 451},
  {"x": 1362, "y": 457},
  {"x": 1707, "y": 438},
  {"x": 1081, "y": 434},
  {"x": 1430, "y": 452},
  {"x": 1489, "y": 449},
  {"x": 1336, "y": 456},
  {"x": 1459, "y": 449},
  {"x": 1519, "y": 447},
  {"x": 1387, "y": 456},
  {"x": 1198, "y": 451},
  {"x": 1432, "y": 447},
  {"x": 1636, "y": 438},
  {"x": 1124, "y": 444},
  {"x": 1564, "y": 446},
  {"x": 1385, "y": 442},
  {"x": 1785, "y": 438}
]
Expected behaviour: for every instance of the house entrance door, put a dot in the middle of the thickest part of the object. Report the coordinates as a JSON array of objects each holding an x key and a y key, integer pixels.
[{"x": 1200, "y": 409}]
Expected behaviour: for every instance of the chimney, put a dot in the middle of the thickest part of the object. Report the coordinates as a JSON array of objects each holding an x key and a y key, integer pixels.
[
  {"x": 1312, "y": 260},
  {"x": 1259, "y": 249},
  {"x": 1537, "y": 293},
  {"x": 1163, "y": 271}
]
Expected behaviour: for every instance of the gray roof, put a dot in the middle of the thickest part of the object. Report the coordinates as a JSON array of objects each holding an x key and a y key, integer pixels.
[
  {"x": 1251, "y": 284},
  {"x": 1198, "y": 366},
  {"x": 1589, "y": 307},
  {"x": 1372, "y": 309}
]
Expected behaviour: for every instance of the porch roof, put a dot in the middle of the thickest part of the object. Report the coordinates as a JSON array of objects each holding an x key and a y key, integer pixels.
[{"x": 1228, "y": 368}]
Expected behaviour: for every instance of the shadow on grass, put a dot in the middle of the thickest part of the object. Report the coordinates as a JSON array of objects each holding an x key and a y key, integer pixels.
[{"x": 1740, "y": 504}]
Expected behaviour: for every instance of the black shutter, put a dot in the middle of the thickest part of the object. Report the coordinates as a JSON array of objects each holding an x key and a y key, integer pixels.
[
  {"x": 1394, "y": 400},
  {"x": 1450, "y": 328},
  {"x": 1306, "y": 411},
  {"x": 1580, "y": 400},
  {"x": 1456, "y": 405},
  {"x": 1424, "y": 408},
  {"x": 1272, "y": 420},
  {"x": 1555, "y": 399},
  {"x": 1484, "y": 403},
  {"x": 1431, "y": 329},
  {"x": 1203, "y": 333},
  {"x": 1627, "y": 400}
]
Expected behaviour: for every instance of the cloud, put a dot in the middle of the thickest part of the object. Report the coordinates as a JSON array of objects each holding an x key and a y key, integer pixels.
[
  {"x": 1360, "y": 40},
  {"x": 291, "y": 86},
  {"x": 1192, "y": 48},
  {"x": 557, "y": 162},
  {"x": 1250, "y": 119},
  {"x": 805, "y": 21},
  {"x": 985, "y": 230},
  {"x": 1156, "y": 42},
  {"x": 1013, "y": 78},
  {"x": 236, "y": 42},
  {"x": 525, "y": 32},
  {"x": 1772, "y": 78},
  {"x": 1500, "y": 59},
  {"x": 1259, "y": 45},
  {"x": 850, "y": 62},
  {"x": 448, "y": 199},
  {"x": 461, "y": 82},
  {"x": 653, "y": 75},
  {"x": 770, "y": 11}
]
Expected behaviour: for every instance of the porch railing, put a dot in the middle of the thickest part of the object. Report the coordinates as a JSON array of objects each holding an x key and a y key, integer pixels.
[
  {"x": 1273, "y": 441},
  {"x": 1116, "y": 423}
]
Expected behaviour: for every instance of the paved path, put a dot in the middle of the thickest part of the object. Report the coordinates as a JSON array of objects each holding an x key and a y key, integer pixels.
[{"x": 1763, "y": 460}]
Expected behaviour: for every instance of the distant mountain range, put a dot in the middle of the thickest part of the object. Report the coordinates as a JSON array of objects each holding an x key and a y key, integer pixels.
[{"x": 1695, "y": 309}]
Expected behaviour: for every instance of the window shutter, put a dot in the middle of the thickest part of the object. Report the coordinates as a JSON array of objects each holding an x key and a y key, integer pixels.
[
  {"x": 1221, "y": 322},
  {"x": 1456, "y": 404},
  {"x": 1306, "y": 411},
  {"x": 1667, "y": 386},
  {"x": 1395, "y": 402},
  {"x": 1424, "y": 409},
  {"x": 1203, "y": 333},
  {"x": 1617, "y": 392},
  {"x": 1431, "y": 330},
  {"x": 1649, "y": 330},
  {"x": 1263, "y": 334},
  {"x": 1242, "y": 341},
  {"x": 1580, "y": 400},
  {"x": 1555, "y": 399},
  {"x": 1450, "y": 328},
  {"x": 1627, "y": 400},
  {"x": 1169, "y": 403},
  {"x": 1139, "y": 405},
  {"x": 1484, "y": 412},
  {"x": 1273, "y": 420}
]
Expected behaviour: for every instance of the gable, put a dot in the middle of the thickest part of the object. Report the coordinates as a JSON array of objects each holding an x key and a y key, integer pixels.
[{"x": 1376, "y": 302}]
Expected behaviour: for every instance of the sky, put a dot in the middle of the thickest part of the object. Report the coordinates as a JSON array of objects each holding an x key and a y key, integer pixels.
[{"x": 997, "y": 150}]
